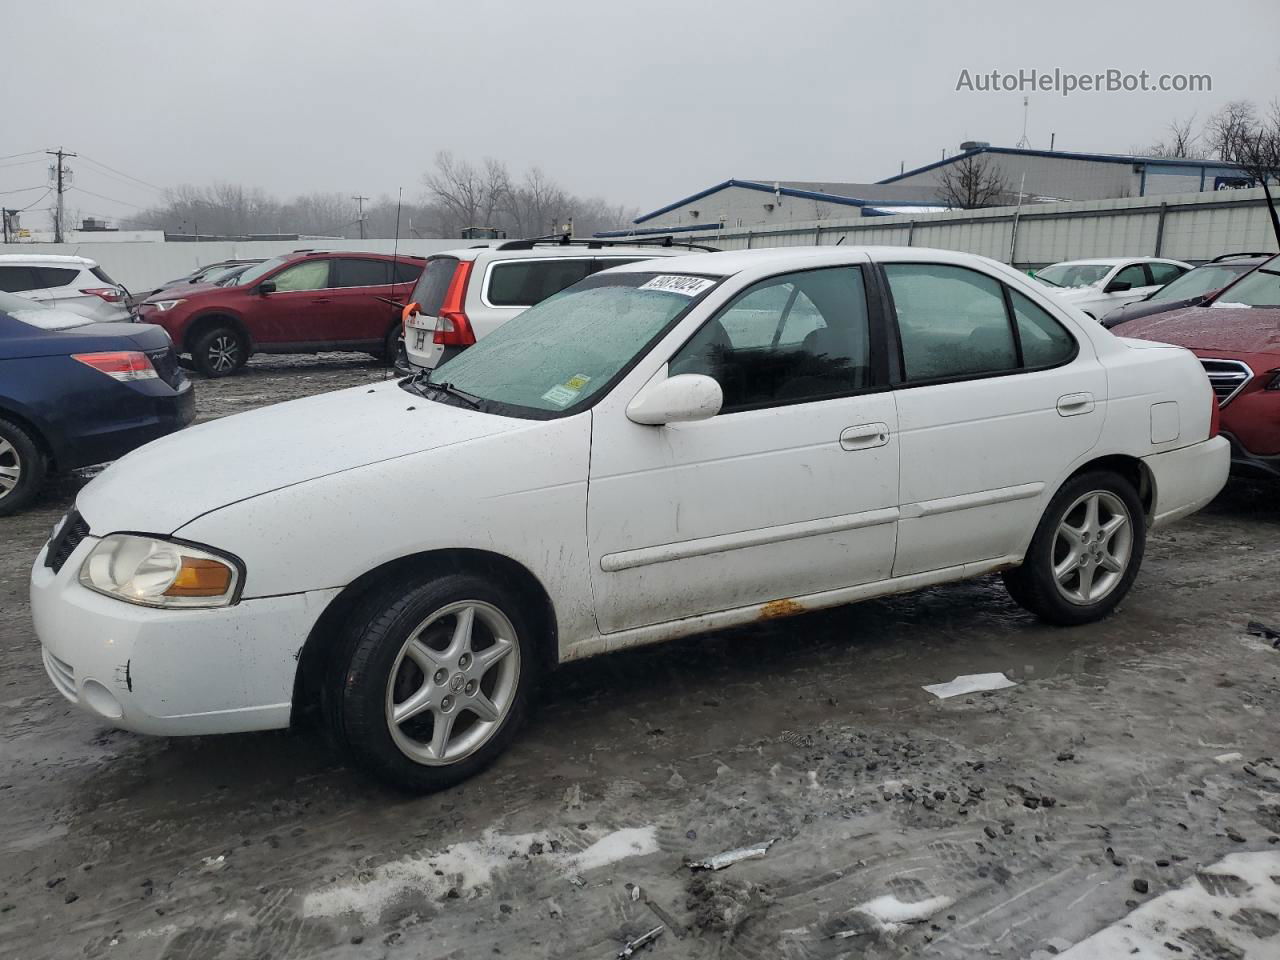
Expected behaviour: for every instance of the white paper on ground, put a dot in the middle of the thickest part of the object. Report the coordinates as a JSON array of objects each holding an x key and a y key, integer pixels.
[{"x": 969, "y": 683}]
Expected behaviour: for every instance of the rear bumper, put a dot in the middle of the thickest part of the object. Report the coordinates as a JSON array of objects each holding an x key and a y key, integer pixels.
[
  {"x": 139, "y": 414},
  {"x": 1186, "y": 479},
  {"x": 1246, "y": 464}
]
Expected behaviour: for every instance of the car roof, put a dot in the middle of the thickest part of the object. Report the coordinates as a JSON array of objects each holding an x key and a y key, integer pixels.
[
  {"x": 558, "y": 252},
  {"x": 362, "y": 254},
  {"x": 1111, "y": 261},
  {"x": 780, "y": 259},
  {"x": 51, "y": 259}
]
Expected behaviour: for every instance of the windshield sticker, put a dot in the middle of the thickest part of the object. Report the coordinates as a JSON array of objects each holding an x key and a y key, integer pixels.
[
  {"x": 685, "y": 286},
  {"x": 563, "y": 394}
]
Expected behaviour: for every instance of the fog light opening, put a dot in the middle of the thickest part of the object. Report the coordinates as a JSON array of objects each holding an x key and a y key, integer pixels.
[{"x": 101, "y": 700}]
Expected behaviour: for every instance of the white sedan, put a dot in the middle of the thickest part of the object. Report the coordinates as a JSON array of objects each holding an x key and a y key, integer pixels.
[
  {"x": 663, "y": 449},
  {"x": 1099, "y": 286}
]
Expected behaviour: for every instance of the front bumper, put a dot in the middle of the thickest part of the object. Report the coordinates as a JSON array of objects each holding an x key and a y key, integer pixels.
[
  {"x": 1246, "y": 464},
  {"x": 170, "y": 672},
  {"x": 1186, "y": 479}
]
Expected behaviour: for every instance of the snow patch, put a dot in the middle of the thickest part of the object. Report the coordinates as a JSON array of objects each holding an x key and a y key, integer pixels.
[
  {"x": 892, "y": 914},
  {"x": 469, "y": 867},
  {"x": 1217, "y": 903}
]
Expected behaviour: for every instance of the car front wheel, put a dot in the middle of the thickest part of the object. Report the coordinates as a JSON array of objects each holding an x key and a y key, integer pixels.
[
  {"x": 432, "y": 682},
  {"x": 1085, "y": 553},
  {"x": 219, "y": 351}
]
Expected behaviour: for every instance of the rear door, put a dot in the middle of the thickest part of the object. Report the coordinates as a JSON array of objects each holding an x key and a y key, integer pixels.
[
  {"x": 358, "y": 282},
  {"x": 996, "y": 400}
]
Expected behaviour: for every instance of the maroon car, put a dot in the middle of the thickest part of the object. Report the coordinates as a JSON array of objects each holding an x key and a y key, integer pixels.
[
  {"x": 302, "y": 302},
  {"x": 1237, "y": 338}
]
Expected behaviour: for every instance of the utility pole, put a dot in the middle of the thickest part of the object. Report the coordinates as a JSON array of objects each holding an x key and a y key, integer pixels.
[
  {"x": 60, "y": 175},
  {"x": 360, "y": 213},
  {"x": 5, "y": 214}
]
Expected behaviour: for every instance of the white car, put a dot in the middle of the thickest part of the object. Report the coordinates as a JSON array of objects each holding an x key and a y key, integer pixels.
[
  {"x": 665, "y": 449},
  {"x": 466, "y": 294},
  {"x": 77, "y": 284},
  {"x": 1099, "y": 286}
]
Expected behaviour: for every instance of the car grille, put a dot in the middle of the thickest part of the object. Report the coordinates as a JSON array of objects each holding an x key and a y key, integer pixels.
[
  {"x": 1227, "y": 377},
  {"x": 61, "y": 673},
  {"x": 69, "y": 536},
  {"x": 166, "y": 363}
]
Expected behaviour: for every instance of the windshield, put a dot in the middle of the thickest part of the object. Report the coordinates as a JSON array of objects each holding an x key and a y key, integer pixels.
[
  {"x": 555, "y": 356},
  {"x": 39, "y": 315},
  {"x": 1198, "y": 281},
  {"x": 1259, "y": 289},
  {"x": 258, "y": 271},
  {"x": 1074, "y": 274}
]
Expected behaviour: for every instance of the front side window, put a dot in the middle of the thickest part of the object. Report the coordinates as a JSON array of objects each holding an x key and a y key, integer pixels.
[
  {"x": 951, "y": 321},
  {"x": 797, "y": 337},
  {"x": 1135, "y": 275},
  {"x": 1259, "y": 289},
  {"x": 308, "y": 275},
  {"x": 1073, "y": 274},
  {"x": 557, "y": 355},
  {"x": 259, "y": 270},
  {"x": 522, "y": 283}
]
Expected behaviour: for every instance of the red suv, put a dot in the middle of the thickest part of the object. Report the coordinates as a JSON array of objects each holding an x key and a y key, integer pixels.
[
  {"x": 302, "y": 302},
  {"x": 1236, "y": 335}
]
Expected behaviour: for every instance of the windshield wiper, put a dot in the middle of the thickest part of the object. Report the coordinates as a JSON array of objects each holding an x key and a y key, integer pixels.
[{"x": 445, "y": 387}]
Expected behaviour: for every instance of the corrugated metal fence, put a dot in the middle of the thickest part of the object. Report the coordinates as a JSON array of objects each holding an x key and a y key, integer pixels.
[{"x": 1195, "y": 226}]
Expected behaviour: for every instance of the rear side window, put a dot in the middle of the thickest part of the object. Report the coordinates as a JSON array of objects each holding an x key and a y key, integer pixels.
[
  {"x": 350, "y": 272},
  {"x": 434, "y": 284},
  {"x": 56, "y": 276},
  {"x": 951, "y": 321},
  {"x": 1044, "y": 342},
  {"x": 408, "y": 272},
  {"x": 18, "y": 279},
  {"x": 1163, "y": 273},
  {"x": 522, "y": 283}
]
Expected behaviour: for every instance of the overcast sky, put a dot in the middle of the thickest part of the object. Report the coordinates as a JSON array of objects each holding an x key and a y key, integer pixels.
[{"x": 641, "y": 102}]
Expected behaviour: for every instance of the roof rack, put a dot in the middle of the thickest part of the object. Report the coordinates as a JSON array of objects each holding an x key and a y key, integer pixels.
[
  {"x": 1233, "y": 256},
  {"x": 596, "y": 243}
]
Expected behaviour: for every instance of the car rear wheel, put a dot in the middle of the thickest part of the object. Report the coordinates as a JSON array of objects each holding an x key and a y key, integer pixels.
[
  {"x": 432, "y": 682},
  {"x": 1085, "y": 553},
  {"x": 22, "y": 467},
  {"x": 219, "y": 351}
]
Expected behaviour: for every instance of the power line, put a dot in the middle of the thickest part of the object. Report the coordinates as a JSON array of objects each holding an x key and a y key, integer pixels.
[
  {"x": 104, "y": 197},
  {"x": 20, "y": 163},
  {"x": 20, "y": 190},
  {"x": 127, "y": 176},
  {"x": 27, "y": 154},
  {"x": 47, "y": 191}
]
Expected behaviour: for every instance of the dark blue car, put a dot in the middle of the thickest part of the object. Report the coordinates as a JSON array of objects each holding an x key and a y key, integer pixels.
[{"x": 74, "y": 392}]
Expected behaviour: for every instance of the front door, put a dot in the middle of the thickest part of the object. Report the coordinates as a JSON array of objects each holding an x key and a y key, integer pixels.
[
  {"x": 790, "y": 490},
  {"x": 998, "y": 399},
  {"x": 301, "y": 309}
]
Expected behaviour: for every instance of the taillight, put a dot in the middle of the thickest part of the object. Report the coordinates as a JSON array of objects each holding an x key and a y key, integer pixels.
[
  {"x": 1215, "y": 418},
  {"x": 121, "y": 365},
  {"x": 109, "y": 294},
  {"x": 453, "y": 329}
]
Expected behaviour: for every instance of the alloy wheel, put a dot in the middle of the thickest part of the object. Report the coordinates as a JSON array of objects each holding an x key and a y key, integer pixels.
[
  {"x": 10, "y": 467},
  {"x": 453, "y": 682},
  {"x": 224, "y": 352},
  {"x": 1092, "y": 547}
]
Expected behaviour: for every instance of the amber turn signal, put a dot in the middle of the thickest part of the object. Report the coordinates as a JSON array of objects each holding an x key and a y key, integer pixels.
[{"x": 199, "y": 577}]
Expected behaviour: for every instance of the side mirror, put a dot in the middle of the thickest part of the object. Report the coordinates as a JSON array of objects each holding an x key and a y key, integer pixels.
[
  {"x": 266, "y": 286},
  {"x": 679, "y": 399},
  {"x": 1117, "y": 286}
]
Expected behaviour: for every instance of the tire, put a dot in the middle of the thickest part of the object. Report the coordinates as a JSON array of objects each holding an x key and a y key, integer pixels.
[
  {"x": 389, "y": 346},
  {"x": 22, "y": 467},
  {"x": 1067, "y": 580},
  {"x": 219, "y": 351},
  {"x": 402, "y": 648}
]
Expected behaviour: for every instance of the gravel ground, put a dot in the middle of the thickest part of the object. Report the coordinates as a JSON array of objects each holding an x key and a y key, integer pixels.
[{"x": 1129, "y": 758}]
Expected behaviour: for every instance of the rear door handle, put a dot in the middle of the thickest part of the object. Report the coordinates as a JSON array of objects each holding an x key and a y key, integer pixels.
[
  {"x": 864, "y": 436},
  {"x": 1074, "y": 404},
  {"x": 321, "y": 300}
]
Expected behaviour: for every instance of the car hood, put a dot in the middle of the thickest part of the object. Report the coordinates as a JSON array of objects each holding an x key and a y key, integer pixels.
[
  {"x": 179, "y": 290},
  {"x": 1229, "y": 329},
  {"x": 168, "y": 483}
]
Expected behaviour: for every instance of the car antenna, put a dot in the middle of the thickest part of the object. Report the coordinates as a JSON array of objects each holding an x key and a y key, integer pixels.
[{"x": 389, "y": 360}]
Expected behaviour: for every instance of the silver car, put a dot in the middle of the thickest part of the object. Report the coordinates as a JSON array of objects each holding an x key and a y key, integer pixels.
[{"x": 77, "y": 284}]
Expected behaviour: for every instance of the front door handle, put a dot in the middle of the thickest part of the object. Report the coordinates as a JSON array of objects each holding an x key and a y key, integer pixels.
[
  {"x": 321, "y": 300},
  {"x": 864, "y": 436},
  {"x": 1074, "y": 404}
]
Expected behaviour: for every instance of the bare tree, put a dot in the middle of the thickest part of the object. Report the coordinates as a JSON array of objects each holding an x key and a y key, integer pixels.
[
  {"x": 536, "y": 203},
  {"x": 470, "y": 195},
  {"x": 972, "y": 182},
  {"x": 1183, "y": 142},
  {"x": 1241, "y": 136}
]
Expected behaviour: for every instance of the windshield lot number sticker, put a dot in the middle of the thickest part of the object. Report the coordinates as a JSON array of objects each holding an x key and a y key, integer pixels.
[
  {"x": 563, "y": 394},
  {"x": 685, "y": 286}
]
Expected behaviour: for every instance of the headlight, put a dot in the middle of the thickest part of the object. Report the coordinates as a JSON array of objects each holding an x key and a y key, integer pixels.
[
  {"x": 160, "y": 573},
  {"x": 163, "y": 305}
]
